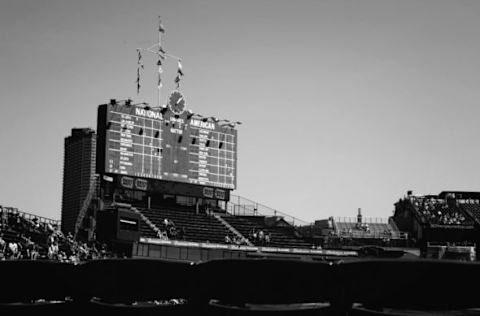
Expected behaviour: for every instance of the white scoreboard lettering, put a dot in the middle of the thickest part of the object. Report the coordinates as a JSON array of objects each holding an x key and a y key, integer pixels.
[{"x": 148, "y": 143}]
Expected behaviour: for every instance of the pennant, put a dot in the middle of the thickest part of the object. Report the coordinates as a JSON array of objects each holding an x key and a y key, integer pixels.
[
  {"x": 138, "y": 80},
  {"x": 140, "y": 59},
  {"x": 177, "y": 81},
  {"x": 180, "y": 70},
  {"x": 139, "y": 65},
  {"x": 161, "y": 29}
]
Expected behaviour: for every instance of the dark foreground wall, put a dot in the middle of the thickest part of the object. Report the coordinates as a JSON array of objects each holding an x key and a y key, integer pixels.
[{"x": 238, "y": 286}]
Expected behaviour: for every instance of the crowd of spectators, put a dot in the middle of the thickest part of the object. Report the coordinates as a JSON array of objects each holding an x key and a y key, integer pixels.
[
  {"x": 170, "y": 231},
  {"x": 363, "y": 230},
  {"x": 259, "y": 237},
  {"x": 235, "y": 240},
  {"x": 25, "y": 236},
  {"x": 363, "y": 227},
  {"x": 438, "y": 211}
]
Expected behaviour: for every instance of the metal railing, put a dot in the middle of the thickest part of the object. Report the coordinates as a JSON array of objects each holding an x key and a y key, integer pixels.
[
  {"x": 241, "y": 206},
  {"x": 29, "y": 216},
  {"x": 376, "y": 235},
  {"x": 368, "y": 220}
]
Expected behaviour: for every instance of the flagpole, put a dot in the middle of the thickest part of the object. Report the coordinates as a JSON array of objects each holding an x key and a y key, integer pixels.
[
  {"x": 161, "y": 55},
  {"x": 159, "y": 65}
]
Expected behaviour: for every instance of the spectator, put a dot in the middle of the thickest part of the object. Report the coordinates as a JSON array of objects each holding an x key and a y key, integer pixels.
[
  {"x": 162, "y": 235},
  {"x": 172, "y": 232},
  {"x": 28, "y": 246},
  {"x": 181, "y": 234},
  {"x": 228, "y": 240},
  {"x": 267, "y": 238},
  {"x": 36, "y": 224},
  {"x": 13, "y": 250},
  {"x": 261, "y": 235},
  {"x": 34, "y": 254},
  {"x": 4, "y": 217},
  {"x": 53, "y": 251},
  {"x": 3, "y": 244}
]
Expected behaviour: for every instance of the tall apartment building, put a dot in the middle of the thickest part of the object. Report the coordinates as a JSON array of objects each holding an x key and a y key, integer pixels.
[{"x": 78, "y": 174}]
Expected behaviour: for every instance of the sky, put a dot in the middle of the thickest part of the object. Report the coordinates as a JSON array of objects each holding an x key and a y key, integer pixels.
[{"x": 344, "y": 104}]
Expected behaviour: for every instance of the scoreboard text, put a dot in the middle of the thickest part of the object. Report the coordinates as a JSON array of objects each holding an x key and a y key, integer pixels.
[{"x": 157, "y": 144}]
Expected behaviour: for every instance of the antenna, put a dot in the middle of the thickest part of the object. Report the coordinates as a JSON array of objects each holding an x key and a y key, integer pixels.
[{"x": 161, "y": 54}]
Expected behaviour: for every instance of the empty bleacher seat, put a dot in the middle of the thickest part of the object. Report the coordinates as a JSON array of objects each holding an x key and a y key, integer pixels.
[
  {"x": 136, "y": 287},
  {"x": 257, "y": 286},
  {"x": 408, "y": 287},
  {"x": 36, "y": 287}
]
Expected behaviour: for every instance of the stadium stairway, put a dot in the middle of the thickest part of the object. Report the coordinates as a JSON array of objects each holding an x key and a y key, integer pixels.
[
  {"x": 280, "y": 236},
  {"x": 394, "y": 229},
  {"x": 147, "y": 228},
  {"x": 197, "y": 227},
  {"x": 473, "y": 210},
  {"x": 232, "y": 229}
]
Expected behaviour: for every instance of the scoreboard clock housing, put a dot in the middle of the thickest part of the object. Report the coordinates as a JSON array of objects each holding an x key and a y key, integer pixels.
[{"x": 137, "y": 141}]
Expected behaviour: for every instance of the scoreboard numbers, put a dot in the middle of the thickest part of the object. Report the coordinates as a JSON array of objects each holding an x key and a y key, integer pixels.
[{"x": 156, "y": 144}]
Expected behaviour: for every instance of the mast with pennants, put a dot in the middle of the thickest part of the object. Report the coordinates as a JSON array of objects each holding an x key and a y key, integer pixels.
[{"x": 158, "y": 50}]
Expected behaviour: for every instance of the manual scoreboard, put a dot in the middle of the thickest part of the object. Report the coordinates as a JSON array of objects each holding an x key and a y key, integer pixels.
[{"x": 166, "y": 143}]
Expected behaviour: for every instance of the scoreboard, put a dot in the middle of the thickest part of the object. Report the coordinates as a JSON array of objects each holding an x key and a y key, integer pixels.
[{"x": 154, "y": 143}]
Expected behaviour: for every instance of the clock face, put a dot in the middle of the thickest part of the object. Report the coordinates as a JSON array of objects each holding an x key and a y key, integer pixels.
[{"x": 176, "y": 102}]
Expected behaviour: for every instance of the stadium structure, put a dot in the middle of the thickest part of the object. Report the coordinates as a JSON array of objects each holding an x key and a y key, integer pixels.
[
  {"x": 150, "y": 194},
  {"x": 163, "y": 185},
  {"x": 163, "y": 190}
]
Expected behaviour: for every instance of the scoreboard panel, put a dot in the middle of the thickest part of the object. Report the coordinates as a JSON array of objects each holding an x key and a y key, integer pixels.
[{"x": 159, "y": 144}]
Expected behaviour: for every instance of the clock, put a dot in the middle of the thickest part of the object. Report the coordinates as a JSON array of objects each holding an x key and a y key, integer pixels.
[{"x": 176, "y": 102}]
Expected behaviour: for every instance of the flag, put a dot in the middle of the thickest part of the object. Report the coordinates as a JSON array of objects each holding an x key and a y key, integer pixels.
[
  {"x": 159, "y": 83},
  {"x": 180, "y": 70},
  {"x": 139, "y": 65},
  {"x": 177, "y": 81},
  {"x": 161, "y": 29},
  {"x": 161, "y": 50},
  {"x": 159, "y": 64},
  {"x": 138, "y": 80},
  {"x": 139, "y": 59}
]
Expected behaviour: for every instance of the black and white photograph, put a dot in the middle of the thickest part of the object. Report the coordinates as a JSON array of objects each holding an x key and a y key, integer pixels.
[{"x": 240, "y": 157}]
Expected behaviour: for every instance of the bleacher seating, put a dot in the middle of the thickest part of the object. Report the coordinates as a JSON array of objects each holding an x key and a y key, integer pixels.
[
  {"x": 440, "y": 211},
  {"x": 32, "y": 236},
  {"x": 280, "y": 236},
  {"x": 367, "y": 230},
  {"x": 203, "y": 227},
  {"x": 146, "y": 230},
  {"x": 197, "y": 227},
  {"x": 472, "y": 209}
]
